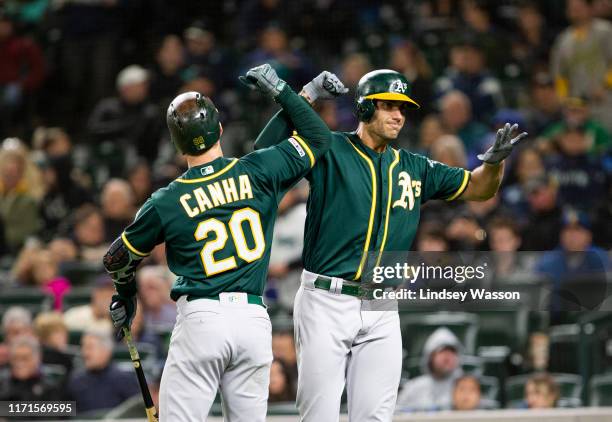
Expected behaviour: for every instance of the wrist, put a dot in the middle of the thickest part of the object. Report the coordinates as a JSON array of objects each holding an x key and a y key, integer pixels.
[{"x": 306, "y": 96}]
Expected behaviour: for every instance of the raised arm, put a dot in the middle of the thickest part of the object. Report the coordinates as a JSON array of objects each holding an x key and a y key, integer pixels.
[
  {"x": 325, "y": 86},
  {"x": 486, "y": 179}
]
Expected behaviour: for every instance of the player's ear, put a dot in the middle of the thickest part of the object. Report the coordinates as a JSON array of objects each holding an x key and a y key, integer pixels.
[{"x": 220, "y": 130}]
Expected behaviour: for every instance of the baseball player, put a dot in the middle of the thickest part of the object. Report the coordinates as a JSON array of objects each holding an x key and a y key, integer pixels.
[
  {"x": 217, "y": 220},
  {"x": 365, "y": 199}
]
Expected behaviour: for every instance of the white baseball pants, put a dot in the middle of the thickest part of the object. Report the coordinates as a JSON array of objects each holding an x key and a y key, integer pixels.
[
  {"x": 224, "y": 345},
  {"x": 338, "y": 342}
]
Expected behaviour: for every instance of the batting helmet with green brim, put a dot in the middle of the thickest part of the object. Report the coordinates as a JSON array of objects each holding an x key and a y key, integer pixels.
[
  {"x": 382, "y": 84},
  {"x": 193, "y": 121}
]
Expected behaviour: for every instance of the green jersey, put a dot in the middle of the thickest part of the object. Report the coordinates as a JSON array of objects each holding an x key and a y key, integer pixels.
[
  {"x": 217, "y": 219},
  {"x": 363, "y": 203}
]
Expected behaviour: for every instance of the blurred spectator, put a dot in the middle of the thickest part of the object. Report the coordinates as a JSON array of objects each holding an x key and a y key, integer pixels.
[
  {"x": 581, "y": 59},
  {"x": 430, "y": 130},
  {"x": 94, "y": 315},
  {"x": 440, "y": 367},
  {"x": 353, "y": 67},
  {"x": 117, "y": 201},
  {"x": 255, "y": 15},
  {"x": 544, "y": 223},
  {"x": 37, "y": 266},
  {"x": 456, "y": 115},
  {"x": 528, "y": 165},
  {"x": 100, "y": 384},
  {"x": 505, "y": 239},
  {"x": 281, "y": 384},
  {"x": 88, "y": 56},
  {"x": 407, "y": 59},
  {"x": 544, "y": 106},
  {"x": 25, "y": 380},
  {"x": 204, "y": 55},
  {"x": 63, "y": 185},
  {"x": 531, "y": 44},
  {"x": 166, "y": 76},
  {"x": 129, "y": 119},
  {"x": 283, "y": 349},
  {"x": 479, "y": 23},
  {"x": 286, "y": 257},
  {"x": 580, "y": 177},
  {"x": 541, "y": 392},
  {"x": 431, "y": 238},
  {"x": 504, "y": 235},
  {"x": 45, "y": 274},
  {"x": 573, "y": 264},
  {"x": 159, "y": 311},
  {"x": 466, "y": 393},
  {"x": 575, "y": 237},
  {"x": 449, "y": 150},
  {"x": 467, "y": 73},
  {"x": 465, "y": 232},
  {"x": 139, "y": 178},
  {"x": 53, "y": 335},
  {"x": 328, "y": 110},
  {"x": 16, "y": 322},
  {"x": 19, "y": 210},
  {"x": 89, "y": 234},
  {"x": 22, "y": 69},
  {"x": 576, "y": 115},
  {"x": 274, "y": 48}
]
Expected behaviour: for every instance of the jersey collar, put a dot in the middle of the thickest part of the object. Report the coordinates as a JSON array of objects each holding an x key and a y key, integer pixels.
[
  {"x": 355, "y": 139},
  {"x": 207, "y": 171}
]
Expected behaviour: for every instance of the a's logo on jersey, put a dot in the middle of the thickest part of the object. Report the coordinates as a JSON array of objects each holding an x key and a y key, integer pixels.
[
  {"x": 411, "y": 189},
  {"x": 398, "y": 86},
  {"x": 199, "y": 142},
  {"x": 207, "y": 170},
  {"x": 297, "y": 147}
]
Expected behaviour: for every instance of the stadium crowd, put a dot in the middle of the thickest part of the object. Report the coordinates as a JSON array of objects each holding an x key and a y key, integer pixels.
[{"x": 84, "y": 86}]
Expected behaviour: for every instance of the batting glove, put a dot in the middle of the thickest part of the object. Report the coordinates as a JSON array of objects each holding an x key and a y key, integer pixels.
[
  {"x": 326, "y": 86},
  {"x": 503, "y": 145},
  {"x": 122, "y": 311},
  {"x": 264, "y": 79}
]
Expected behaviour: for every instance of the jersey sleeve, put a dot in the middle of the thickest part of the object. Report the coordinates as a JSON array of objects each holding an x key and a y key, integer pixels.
[
  {"x": 281, "y": 165},
  {"x": 145, "y": 232},
  {"x": 443, "y": 182}
]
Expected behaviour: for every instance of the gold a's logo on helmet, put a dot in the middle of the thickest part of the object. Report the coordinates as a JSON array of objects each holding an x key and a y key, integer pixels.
[{"x": 398, "y": 86}]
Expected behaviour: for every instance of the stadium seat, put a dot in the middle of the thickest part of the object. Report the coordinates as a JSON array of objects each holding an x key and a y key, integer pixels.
[
  {"x": 417, "y": 328},
  {"x": 282, "y": 409},
  {"x": 564, "y": 345},
  {"x": 570, "y": 386},
  {"x": 74, "y": 337},
  {"x": 76, "y": 297},
  {"x": 30, "y": 298},
  {"x": 132, "y": 408},
  {"x": 489, "y": 387},
  {"x": 601, "y": 390},
  {"x": 503, "y": 327},
  {"x": 55, "y": 373},
  {"x": 81, "y": 273}
]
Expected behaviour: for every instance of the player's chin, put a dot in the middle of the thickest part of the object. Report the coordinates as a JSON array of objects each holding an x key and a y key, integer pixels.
[{"x": 392, "y": 133}]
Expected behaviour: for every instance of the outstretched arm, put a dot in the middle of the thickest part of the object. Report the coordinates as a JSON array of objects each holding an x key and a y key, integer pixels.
[{"x": 486, "y": 179}]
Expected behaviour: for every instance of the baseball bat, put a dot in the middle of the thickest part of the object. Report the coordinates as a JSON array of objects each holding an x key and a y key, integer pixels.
[{"x": 144, "y": 388}]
